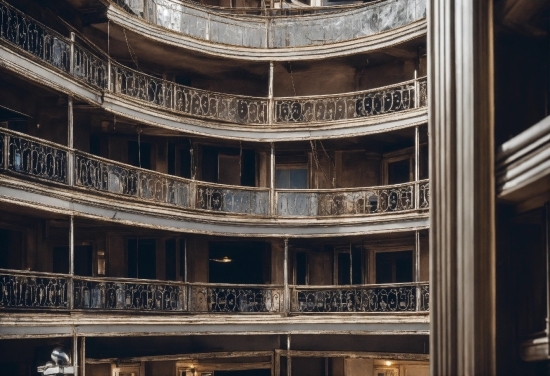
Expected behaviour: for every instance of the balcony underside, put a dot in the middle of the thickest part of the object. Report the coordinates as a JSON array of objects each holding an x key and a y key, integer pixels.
[
  {"x": 82, "y": 204},
  {"x": 62, "y": 325},
  {"x": 157, "y": 34}
]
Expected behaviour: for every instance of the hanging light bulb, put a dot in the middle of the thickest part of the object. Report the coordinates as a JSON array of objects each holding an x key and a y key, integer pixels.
[{"x": 223, "y": 259}]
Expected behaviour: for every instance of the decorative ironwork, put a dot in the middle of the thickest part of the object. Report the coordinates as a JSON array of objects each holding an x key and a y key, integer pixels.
[
  {"x": 37, "y": 159},
  {"x": 230, "y": 108},
  {"x": 395, "y": 198},
  {"x": 345, "y": 106},
  {"x": 422, "y": 92},
  {"x": 397, "y": 298},
  {"x": 105, "y": 176},
  {"x": 195, "y": 102},
  {"x": 424, "y": 304},
  {"x": 128, "y": 295},
  {"x": 33, "y": 37},
  {"x": 424, "y": 194},
  {"x": 89, "y": 68},
  {"x": 274, "y": 31},
  {"x": 232, "y": 200},
  {"x": 33, "y": 291},
  {"x": 117, "y": 178},
  {"x": 236, "y": 299}
]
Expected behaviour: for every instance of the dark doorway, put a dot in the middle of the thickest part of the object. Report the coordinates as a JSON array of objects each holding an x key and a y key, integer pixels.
[
  {"x": 399, "y": 171},
  {"x": 83, "y": 260},
  {"x": 394, "y": 267},
  {"x": 142, "y": 258},
  {"x": 139, "y": 154},
  {"x": 10, "y": 249},
  {"x": 61, "y": 260},
  {"x": 239, "y": 262}
]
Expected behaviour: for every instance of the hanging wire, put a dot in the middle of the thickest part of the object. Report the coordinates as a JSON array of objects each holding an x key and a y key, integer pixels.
[
  {"x": 131, "y": 50},
  {"x": 316, "y": 159},
  {"x": 292, "y": 77}
]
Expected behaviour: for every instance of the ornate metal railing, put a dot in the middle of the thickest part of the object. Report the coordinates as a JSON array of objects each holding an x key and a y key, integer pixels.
[
  {"x": 33, "y": 37},
  {"x": 334, "y": 202},
  {"x": 347, "y": 106},
  {"x": 277, "y": 30},
  {"x": 187, "y": 100},
  {"x": 37, "y": 158},
  {"x": 368, "y": 298},
  {"x": 424, "y": 297},
  {"x": 33, "y": 290},
  {"x": 232, "y": 199},
  {"x": 235, "y": 298},
  {"x": 89, "y": 67},
  {"x": 108, "y": 176},
  {"x": 128, "y": 294},
  {"x": 424, "y": 194}
]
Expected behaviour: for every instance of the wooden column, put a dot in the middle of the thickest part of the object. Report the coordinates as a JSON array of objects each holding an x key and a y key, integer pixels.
[
  {"x": 271, "y": 108},
  {"x": 285, "y": 277},
  {"x": 288, "y": 357},
  {"x": 75, "y": 354},
  {"x": 70, "y": 141},
  {"x": 462, "y": 254},
  {"x": 272, "y": 195},
  {"x": 71, "y": 264},
  {"x": 416, "y": 167}
]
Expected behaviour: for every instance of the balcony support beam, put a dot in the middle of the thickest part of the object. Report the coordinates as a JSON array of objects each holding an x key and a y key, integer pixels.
[
  {"x": 271, "y": 108},
  {"x": 288, "y": 357},
  {"x": 71, "y": 263},
  {"x": 75, "y": 355},
  {"x": 70, "y": 141},
  {"x": 417, "y": 167},
  {"x": 285, "y": 278},
  {"x": 272, "y": 195},
  {"x": 462, "y": 213}
]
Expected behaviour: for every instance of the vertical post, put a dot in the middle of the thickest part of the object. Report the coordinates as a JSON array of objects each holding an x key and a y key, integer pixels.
[
  {"x": 416, "y": 97},
  {"x": 417, "y": 269},
  {"x": 272, "y": 193},
  {"x": 83, "y": 356},
  {"x": 416, "y": 167},
  {"x": 71, "y": 58},
  {"x": 271, "y": 109},
  {"x": 70, "y": 142},
  {"x": 547, "y": 245},
  {"x": 350, "y": 265},
  {"x": 71, "y": 263},
  {"x": 6, "y": 150},
  {"x": 285, "y": 278},
  {"x": 463, "y": 315},
  {"x": 185, "y": 260},
  {"x": 288, "y": 356},
  {"x": 75, "y": 353}
]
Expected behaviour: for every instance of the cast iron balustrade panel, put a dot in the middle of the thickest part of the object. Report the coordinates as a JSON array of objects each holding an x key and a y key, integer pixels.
[
  {"x": 33, "y": 291},
  {"x": 397, "y": 298},
  {"x": 101, "y": 294},
  {"x": 345, "y": 106},
  {"x": 190, "y": 101},
  {"x": 424, "y": 304},
  {"x": 375, "y": 200},
  {"x": 33, "y": 158},
  {"x": 322, "y": 26},
  {"x": 122, "y": 179},
  {"x": 424, "y": 194},
  {"x": 90, "y": 68},
  {"x": 232, "y": 199},
  {"x": 33, "y": 37},
  {"x": 235, "y": 299}
]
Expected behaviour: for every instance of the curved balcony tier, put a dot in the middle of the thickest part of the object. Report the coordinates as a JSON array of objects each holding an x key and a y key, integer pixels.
[
  {"x": 112, "y": 191},
  {"x": 159, "y": 103},
  {"x": 323, "y": 33}
]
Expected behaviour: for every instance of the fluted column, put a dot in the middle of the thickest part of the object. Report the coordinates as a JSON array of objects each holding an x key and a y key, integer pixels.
[{"x": 462, "y": 254}]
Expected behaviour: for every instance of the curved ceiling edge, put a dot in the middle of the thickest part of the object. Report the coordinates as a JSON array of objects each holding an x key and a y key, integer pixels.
[
  {"x": 67, "y": 203},
  {"x": 360, "y": 45}
]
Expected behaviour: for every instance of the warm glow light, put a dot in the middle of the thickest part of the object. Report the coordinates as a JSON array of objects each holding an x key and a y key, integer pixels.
[
  {"x": 388, "y": 363},
  {"x": 224, "y": 259}
]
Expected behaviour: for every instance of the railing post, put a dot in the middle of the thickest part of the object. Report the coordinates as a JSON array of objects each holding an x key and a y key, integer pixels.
[
  {"x": 272, "y": 194},
  {"x": 416, "y": 96},
  {"x": 417, "y": 269},
  {"x": 110, "y": 76},
  {"x": 286, "y": 297},
  {"x": 70, "y": 298},
  {"x": 70, "y": 142},
  {"x": 288, "y": 357},
  {"x": 416, "y": 167},
  {"x": 271, "y": 109},
  {"x": 6, "y": 150},
  {"x": 71, "y": 58}
]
